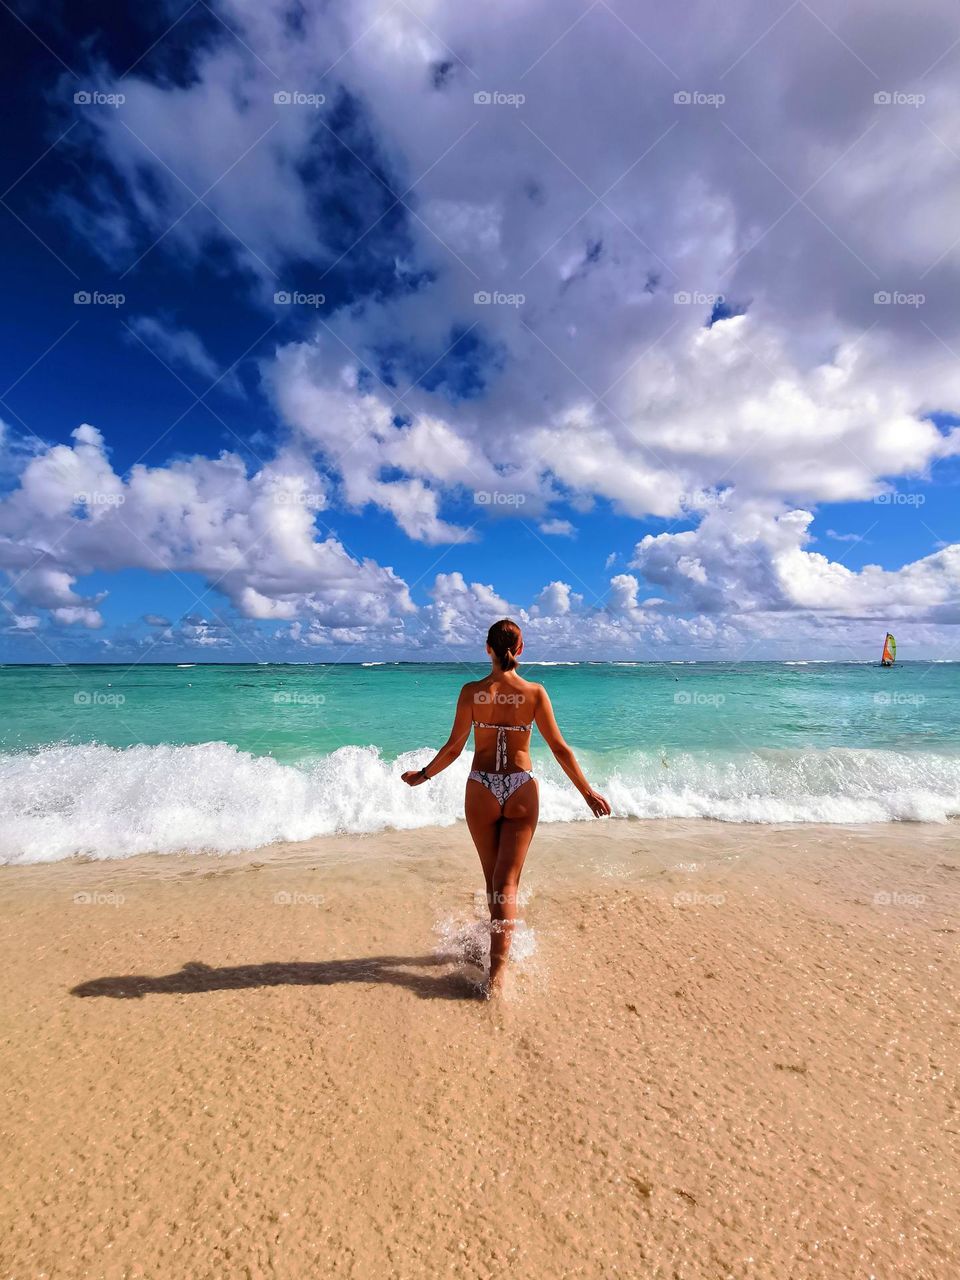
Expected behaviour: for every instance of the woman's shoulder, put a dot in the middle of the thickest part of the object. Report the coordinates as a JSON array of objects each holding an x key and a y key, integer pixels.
[{"x": 532, "y": 688}]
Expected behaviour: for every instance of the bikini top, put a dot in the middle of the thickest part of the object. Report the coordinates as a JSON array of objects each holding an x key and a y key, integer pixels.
[{"x": 502, "y": 730}]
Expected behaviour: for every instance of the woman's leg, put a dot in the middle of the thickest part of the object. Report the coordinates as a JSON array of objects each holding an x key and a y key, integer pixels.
[
  {"x": 483, "y": 813},
  {"x": 516, "y": 828}
]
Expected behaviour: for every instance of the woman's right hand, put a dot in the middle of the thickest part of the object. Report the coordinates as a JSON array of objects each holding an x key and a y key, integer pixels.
[{"x": 598, "y": 805}]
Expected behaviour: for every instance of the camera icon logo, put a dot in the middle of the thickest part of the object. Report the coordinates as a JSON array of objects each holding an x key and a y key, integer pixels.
[
  {"x": 883, "y": 98},
  {"x": 82, "y": 299},
  {"x": 282, "y": 98},
  {"x": 682, "y": 299},
  {"x": 82, "y": 98},
  {"x": 483, "y": 98},
  {"x": 82, "y": 698},
  {"x": 682, "y": 699},
  {"x": 481, "y": 298},
  {"x": 282, "y": 298},
  {"x": 682, "y": 97},
  {"x": 882, "y": 298}
]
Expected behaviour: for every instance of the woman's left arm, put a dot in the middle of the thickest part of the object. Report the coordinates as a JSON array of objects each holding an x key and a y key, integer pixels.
[{"x": 451, "y": 749}]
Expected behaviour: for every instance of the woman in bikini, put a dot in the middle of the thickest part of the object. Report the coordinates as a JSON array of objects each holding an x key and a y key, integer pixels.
[{"x": 502, "y": 803}]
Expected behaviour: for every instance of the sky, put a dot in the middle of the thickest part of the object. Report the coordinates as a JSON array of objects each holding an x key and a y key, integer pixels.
[{"x": 336, "y": 331}]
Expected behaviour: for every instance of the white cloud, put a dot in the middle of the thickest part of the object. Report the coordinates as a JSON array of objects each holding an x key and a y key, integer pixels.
[
  {"x": 252, "y": 538},
  {"x": 602, "y": 384},
  {"x": 556, "y": 600},
  {"x": 599, "y": 202},
  {"x": 755, "y": 559},
  {"x": 558, "y": 528}
]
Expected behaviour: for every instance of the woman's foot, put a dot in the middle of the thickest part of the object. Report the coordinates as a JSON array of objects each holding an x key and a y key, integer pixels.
[{"x": 499, "y": 984}]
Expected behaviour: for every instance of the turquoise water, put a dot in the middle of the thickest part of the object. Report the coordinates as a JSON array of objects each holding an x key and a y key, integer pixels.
[{"x": 107, "y": 760}]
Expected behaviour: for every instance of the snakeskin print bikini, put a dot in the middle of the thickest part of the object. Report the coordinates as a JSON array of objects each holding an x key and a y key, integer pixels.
[{"x": 502, "y": 785}]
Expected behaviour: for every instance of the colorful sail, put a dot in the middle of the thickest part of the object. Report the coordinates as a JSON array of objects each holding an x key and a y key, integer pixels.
[{"x": 889, "y": 655}]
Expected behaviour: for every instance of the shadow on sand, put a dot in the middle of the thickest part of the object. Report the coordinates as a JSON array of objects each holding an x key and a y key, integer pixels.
[{"x": 196, "y": 977}]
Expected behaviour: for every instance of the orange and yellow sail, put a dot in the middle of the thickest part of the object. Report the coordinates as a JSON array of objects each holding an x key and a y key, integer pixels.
[{"x": 889, "y": 655}]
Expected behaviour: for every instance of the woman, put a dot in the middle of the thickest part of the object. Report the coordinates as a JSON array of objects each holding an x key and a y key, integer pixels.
[{"x": 502, "y": 803}]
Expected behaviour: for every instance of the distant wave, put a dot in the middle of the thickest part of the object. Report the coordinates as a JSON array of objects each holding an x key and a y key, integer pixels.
[{"x": 102, "y": 802}]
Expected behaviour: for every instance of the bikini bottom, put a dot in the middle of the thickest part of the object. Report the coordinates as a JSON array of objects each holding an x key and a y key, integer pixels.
[{"x": 502, "y": 785}]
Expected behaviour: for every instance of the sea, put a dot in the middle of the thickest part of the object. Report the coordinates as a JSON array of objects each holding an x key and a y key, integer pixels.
[{"x": 112, "y": 761}]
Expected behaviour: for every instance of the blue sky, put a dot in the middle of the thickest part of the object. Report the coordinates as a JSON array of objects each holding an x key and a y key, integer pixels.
[{"x": 596, "y": 457}]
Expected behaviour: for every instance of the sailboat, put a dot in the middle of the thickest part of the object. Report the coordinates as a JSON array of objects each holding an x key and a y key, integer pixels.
[{"x": 889, "y": 655}]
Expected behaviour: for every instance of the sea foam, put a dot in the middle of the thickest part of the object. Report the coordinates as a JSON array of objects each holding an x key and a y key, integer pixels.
[{"x": 104, "y": 802}]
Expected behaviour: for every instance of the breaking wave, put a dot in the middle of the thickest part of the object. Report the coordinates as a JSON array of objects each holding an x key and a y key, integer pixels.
[{"x": 103, "y": 802}]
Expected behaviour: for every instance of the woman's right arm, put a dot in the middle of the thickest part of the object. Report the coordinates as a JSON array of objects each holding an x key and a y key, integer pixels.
[{"x": 550, "y": 732}]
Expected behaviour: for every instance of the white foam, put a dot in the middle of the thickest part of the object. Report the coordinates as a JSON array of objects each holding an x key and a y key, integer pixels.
[
  {"x": 465, "y": 940},
  {"x": 102, "y": 802}
]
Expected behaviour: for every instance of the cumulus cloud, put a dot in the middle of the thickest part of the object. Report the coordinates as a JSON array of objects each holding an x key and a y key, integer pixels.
[
  {"x": 252, "y": 537},
  {"x": 751, "y": 561},
  {"x": 555, "y": 600},
  {"x": 725, "y": 314},
  {"x": 604, "y": 381}
]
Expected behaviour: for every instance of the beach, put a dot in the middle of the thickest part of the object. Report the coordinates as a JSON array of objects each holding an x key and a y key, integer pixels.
[{"x": 727, "y": 1051}]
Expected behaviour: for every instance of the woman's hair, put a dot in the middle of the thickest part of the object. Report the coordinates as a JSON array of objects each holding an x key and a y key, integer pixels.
[{"x": 503, "y": 638}]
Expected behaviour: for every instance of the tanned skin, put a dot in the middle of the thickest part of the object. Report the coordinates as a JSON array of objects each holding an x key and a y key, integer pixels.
[{"x": 503, "y": 836}]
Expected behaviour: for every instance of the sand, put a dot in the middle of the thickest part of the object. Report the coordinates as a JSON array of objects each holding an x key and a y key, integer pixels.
[{"x": 727, "y": 1052}]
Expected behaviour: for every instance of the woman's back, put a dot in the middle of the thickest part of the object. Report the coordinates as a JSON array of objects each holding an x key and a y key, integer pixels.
[{"x": 504, "y": 708}]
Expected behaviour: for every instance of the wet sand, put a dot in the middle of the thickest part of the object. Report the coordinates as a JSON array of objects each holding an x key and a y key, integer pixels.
[{"x": 727, "y": 1051}]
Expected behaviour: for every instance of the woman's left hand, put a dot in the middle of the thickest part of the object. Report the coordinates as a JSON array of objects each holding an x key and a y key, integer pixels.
[{"x": 413, "y": 777}]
